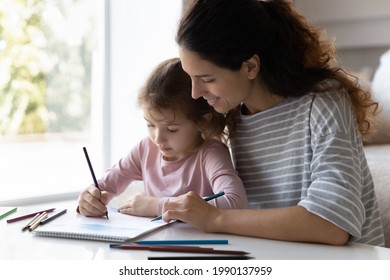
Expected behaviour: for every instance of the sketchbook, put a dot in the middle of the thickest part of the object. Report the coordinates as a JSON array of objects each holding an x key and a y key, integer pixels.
[{"x": 118, "y": 228}]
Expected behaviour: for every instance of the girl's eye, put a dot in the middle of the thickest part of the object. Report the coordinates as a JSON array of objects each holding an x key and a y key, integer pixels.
[
  {"x": 208, "y": 81},
  {"x": 172, "y": 130}
]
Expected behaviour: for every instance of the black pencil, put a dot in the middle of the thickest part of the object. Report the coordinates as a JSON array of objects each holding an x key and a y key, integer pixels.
[{"x": 92, "y": 173}]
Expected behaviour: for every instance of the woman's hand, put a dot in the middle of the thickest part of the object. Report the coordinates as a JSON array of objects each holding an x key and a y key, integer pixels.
[
  {"x": 141, "y": 205},
  {"x": 192, "y": 209},
  {"x": 92, "y": 202}
]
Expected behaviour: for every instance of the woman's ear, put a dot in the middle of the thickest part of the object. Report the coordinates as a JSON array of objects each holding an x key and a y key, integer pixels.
[{"x": 252, "y": 67}]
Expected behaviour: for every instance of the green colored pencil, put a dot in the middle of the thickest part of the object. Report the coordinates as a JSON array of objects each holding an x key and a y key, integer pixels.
[{"x": 8, "y": 213}]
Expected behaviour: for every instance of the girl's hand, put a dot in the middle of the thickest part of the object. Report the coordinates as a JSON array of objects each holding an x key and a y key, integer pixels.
[
  {"x": 192, "y": 209},
  {"x": 92, "y": 202},
  {"x": 141, "y": 205}
]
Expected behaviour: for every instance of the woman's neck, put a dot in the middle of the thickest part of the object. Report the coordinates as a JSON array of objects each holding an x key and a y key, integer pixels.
[{"x": 260, "y": 100}]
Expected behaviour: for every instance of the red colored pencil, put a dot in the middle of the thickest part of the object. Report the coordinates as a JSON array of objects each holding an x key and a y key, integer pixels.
[
  {"x": 29, "y": 215},
  {"x": 183, "y": 249}
]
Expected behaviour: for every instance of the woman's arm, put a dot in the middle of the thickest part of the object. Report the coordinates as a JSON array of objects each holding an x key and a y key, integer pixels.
[{"x": 293, "y": 223}]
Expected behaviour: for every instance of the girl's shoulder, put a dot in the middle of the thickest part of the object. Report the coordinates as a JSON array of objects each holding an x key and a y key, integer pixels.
[
  {"x": 214, "y": 143},
  {"x": 213, "y": 148}
]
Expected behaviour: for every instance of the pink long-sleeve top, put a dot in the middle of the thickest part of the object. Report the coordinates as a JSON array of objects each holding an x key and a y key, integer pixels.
[{"x": 206, "y": 171}]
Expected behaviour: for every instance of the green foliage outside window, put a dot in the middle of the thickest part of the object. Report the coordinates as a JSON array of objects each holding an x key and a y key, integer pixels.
[{"x": 46, "y": 51}]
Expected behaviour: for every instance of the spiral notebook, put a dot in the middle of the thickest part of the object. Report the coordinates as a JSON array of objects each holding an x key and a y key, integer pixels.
[{"x": 118, "y": 228}]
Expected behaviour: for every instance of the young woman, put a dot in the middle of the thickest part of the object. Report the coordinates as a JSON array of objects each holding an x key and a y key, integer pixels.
[
  {"x": 296, "y": 122},
  {"x": 181, "y": 154}
]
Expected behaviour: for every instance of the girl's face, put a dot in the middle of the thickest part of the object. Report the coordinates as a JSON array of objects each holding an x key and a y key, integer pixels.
[
  {"x": 174, "y": 134},
  {"x": 223, "y": 89}
]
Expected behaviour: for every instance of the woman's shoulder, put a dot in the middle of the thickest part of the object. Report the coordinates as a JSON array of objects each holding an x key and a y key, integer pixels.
[
  {"x": 330, "y": 97},
  {"x": 330, "y": 90},
  {"x": 332, "y": 110}
]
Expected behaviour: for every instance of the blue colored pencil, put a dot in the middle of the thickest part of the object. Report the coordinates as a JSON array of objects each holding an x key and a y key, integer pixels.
[{"x": 53, "y": 217}]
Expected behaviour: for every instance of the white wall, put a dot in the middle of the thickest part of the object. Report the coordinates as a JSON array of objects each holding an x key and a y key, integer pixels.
[
  {"x": 142, "y": 33},
  {"x": 361, "y": 29},
  {"x": 354, "y": 23}
]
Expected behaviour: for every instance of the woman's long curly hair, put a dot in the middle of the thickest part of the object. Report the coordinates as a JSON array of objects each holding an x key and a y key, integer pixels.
[{"x": 295, "y": 56}]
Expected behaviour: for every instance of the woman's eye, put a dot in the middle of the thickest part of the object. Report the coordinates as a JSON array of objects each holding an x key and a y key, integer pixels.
[
  {"x": 172, "y": 130},
  {"x": 208, "y": 81}
]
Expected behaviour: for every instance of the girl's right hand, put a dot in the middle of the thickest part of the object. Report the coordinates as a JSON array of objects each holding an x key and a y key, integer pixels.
[{"x": 92, "y": 202}]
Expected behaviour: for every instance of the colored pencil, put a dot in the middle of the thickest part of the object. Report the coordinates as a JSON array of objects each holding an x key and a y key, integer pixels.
[
  {"x": 214, "y": 196},
  {"x": 29, "y": 215},
  {"x": 31, "y": 222},
  {"x": 38, "y": 221},
  {"x": 182, "y": 249},
  {"x": 53, "y": 217},
  {"x": 92, "y": 172},
  {"x": 8, "y": 213},
  {"x": 200, "y": 258},
  {"x": 183, "y": 242}
]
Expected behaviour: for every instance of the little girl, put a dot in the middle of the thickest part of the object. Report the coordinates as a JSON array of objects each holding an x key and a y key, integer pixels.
[{"x": 183, "y": 152}]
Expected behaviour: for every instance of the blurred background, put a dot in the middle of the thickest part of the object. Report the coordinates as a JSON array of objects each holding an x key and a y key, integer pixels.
[{"x": 70, "y": 71}]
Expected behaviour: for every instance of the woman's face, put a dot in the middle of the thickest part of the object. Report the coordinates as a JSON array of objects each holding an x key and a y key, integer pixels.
[{"x": 223, "y": 89}]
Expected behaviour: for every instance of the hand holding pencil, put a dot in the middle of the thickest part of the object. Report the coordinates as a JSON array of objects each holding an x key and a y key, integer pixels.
[
  {"x": 92, "y": 201},
  {"x": 205, "y": 199},
  {"x": 192, "y": 209}
]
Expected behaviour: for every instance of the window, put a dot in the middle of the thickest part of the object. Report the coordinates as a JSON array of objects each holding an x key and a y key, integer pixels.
[
  {"x": 142, "y": 34},
  {"x": 69, "y": 74}
]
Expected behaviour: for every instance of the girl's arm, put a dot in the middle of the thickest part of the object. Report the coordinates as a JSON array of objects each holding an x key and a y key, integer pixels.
[
  {"x": 218, "y": 168},
  {"x": 141, "y": 205},
  {"x": 293, "y": 223}
]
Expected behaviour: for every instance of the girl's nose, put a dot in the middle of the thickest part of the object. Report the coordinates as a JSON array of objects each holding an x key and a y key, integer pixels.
[{"x": 158, "y": 136}]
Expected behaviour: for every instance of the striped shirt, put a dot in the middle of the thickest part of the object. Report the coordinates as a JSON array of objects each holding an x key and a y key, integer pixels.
[{"x": 307, "y": 151}]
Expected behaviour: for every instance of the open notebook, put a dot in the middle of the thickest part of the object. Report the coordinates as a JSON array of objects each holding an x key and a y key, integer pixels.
[{"x": 118, "y": 228}]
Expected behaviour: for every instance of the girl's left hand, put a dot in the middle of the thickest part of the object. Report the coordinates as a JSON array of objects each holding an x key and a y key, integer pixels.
[{"x": 140, "y": 205}]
